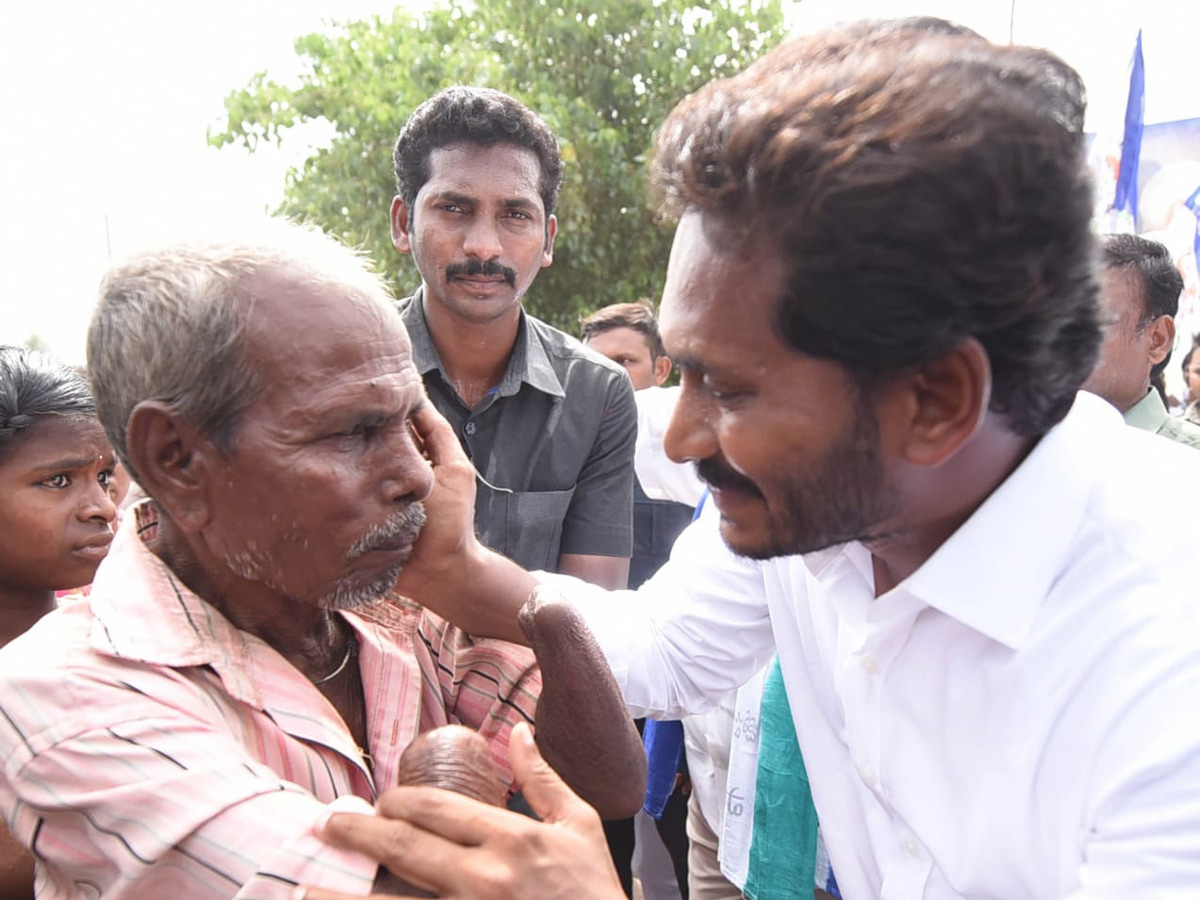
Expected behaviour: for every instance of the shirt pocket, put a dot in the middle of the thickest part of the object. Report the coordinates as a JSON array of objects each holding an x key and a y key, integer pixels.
[{"x": 526, "y": 526}]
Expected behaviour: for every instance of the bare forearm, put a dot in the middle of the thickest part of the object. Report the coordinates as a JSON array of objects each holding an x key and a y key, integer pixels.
[
  {"x": 481, "y": 592},
  {"x": 490, "y": 595},
  {"x": 583, "y": 728}
]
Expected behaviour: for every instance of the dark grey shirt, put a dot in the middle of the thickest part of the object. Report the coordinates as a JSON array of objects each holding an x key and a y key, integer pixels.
[{"x": 552, "y": 443}]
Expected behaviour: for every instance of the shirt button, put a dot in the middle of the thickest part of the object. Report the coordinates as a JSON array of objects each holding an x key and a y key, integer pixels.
[
  {"x": 868, "y": 776},
  {"x": 469, "y": 428},
  {"x": 911, "y": 847},
  {"x": 869, "y": 665}
]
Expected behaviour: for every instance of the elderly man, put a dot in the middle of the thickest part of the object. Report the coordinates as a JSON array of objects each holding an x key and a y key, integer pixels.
[
  {"x": 882, "y": 298},
  {"x": 242, "y": 667}
]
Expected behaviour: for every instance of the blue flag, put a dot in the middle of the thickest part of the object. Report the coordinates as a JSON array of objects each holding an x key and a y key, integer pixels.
[
  {"x": 1126, "y": 197},
  {"x": 1193, "y": 203}
]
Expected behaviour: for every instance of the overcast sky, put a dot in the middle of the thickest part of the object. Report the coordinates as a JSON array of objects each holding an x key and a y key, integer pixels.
[{"x": 105, "y": 107}]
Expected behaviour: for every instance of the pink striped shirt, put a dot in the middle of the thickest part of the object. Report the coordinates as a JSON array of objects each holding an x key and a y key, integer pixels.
[{"x": 151, "y": 749}]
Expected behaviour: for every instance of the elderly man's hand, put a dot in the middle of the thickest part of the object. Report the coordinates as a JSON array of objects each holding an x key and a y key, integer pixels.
[
  {"x": 449, "y": 571},
  {"x": 460, "y": 848},
  {"x": 449, "y": 532}
]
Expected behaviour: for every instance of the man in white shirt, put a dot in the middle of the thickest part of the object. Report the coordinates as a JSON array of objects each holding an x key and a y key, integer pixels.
[{"x": 882, "y": 298}]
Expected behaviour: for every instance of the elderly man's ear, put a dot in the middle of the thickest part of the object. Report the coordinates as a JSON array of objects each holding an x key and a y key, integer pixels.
[{"x": 173, "y": 460}]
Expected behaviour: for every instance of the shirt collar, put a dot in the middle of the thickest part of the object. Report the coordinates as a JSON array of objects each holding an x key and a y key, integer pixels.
[
  {"x": 994, "y": 572},
  {"x": 1148, "y": 413},
  {"x": 144, "y": 612},
  {"x": 412, "y": 312},
  {"x": 528, "y": 363}
]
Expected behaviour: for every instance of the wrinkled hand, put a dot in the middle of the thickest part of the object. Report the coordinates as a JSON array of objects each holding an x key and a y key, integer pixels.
[{"x": 465, "y": 850}]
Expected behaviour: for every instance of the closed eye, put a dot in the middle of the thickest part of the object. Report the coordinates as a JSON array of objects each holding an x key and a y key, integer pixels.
[
  {"x": 728, "y": 396},
  {"x": 366, "y": 428},
  {"x": 362, "y": 429}
]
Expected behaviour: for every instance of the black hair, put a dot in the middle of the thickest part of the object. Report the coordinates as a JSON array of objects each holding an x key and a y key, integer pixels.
[
  {"x": 923, "y": 187},
  {"x": 473, "y": 115},
  {"x": 1187, "y": 357},
  {"x": 1159, "y": 281},
  {"x": 35, "y": 386}
]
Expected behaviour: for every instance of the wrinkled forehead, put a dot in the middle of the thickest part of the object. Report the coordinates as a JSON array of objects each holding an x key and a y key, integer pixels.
[{"x": 297, "y": 324}]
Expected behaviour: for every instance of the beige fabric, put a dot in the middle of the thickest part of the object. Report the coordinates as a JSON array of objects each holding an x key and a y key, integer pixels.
[{"x": 705, "y": 881}]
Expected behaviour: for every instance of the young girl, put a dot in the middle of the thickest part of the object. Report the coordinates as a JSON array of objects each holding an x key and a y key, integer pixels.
[
  {"x": 57, "y": 499},
  {"x": 58, "y": 504}
]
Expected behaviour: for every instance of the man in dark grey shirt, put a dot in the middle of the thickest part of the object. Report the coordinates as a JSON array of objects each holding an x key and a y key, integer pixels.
[{"x": 549, "y": 425}]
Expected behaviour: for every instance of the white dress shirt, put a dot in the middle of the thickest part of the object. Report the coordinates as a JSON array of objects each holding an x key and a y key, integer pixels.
[
  {"x": 1018, "y": 720},
  {"x": 659, "y": 476}
]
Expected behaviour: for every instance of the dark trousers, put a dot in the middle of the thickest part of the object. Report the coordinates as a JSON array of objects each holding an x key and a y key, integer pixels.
[{"x": 672, "y": 828}]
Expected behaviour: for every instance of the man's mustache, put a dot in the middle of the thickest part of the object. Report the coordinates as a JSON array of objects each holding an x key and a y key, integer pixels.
[
  {"x": 723, "y": 478},
  {"x": 488, "y": 269},
  {"x": 412, "y": 518}
]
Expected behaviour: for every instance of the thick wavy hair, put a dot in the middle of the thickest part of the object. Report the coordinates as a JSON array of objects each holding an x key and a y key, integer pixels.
[
  {"x": 473, "y": 115},
  {"x": 924, "y": 187},
  {"x": 34, "y": 387}
]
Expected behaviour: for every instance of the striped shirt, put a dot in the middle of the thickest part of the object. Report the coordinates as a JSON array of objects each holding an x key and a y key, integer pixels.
[{"x": 151, "y": 749}]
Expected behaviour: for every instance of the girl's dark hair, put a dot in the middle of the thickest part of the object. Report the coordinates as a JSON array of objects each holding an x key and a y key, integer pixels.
[{"x": 33, "y": 386}]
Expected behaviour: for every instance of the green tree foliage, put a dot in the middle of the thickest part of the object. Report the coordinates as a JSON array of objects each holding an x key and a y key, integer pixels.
[{"x": 603, "y": 74}]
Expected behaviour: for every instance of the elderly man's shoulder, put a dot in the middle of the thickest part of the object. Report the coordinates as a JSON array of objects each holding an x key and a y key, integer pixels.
[
  {"x": 58, "y": 681},
  {"x": 59, "y": 641}
]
